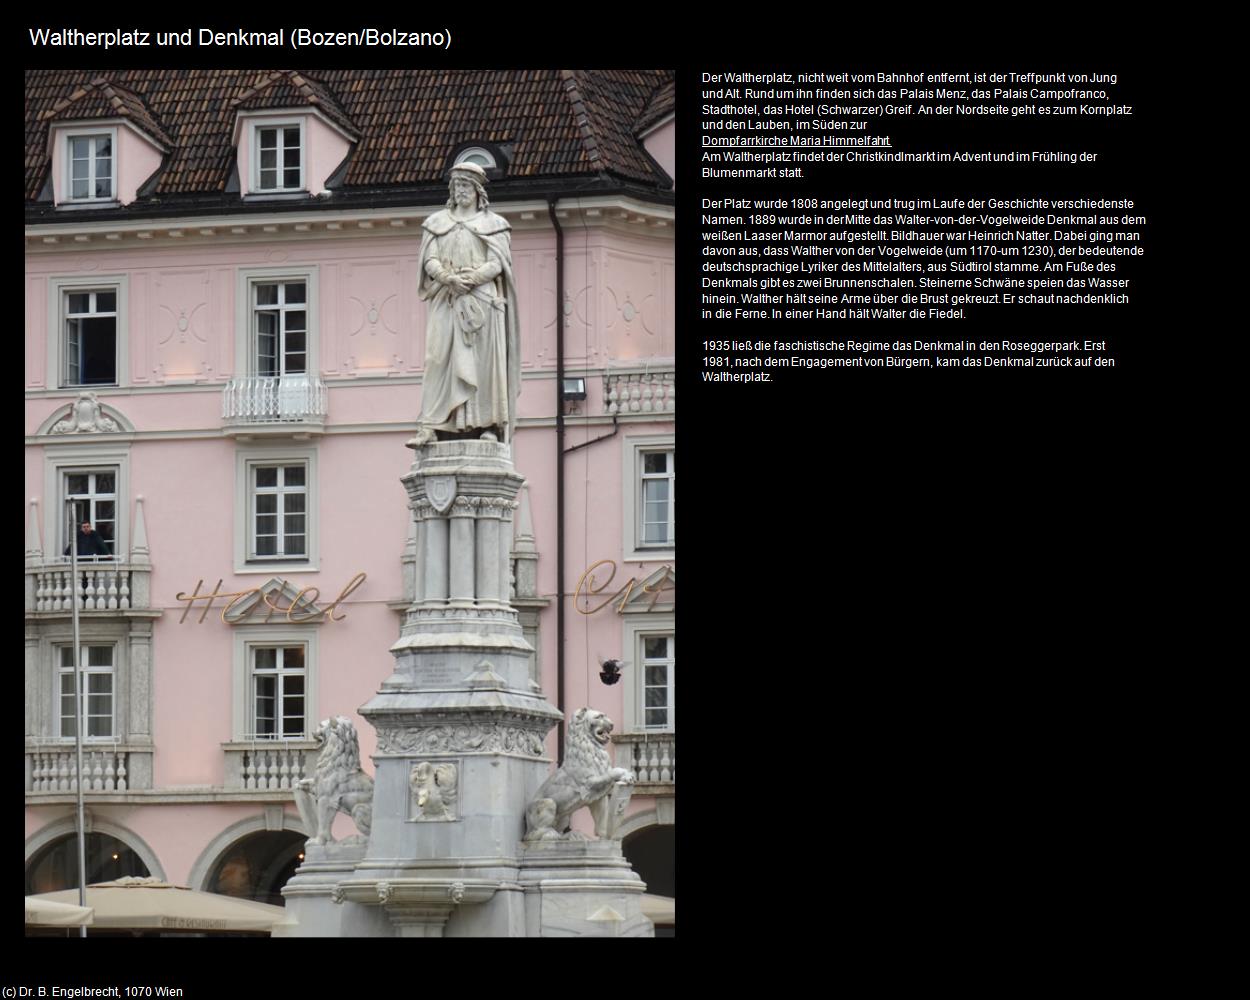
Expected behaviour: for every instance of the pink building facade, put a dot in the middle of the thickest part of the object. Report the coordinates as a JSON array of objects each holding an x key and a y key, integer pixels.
[{"x": 224, "y": 347}]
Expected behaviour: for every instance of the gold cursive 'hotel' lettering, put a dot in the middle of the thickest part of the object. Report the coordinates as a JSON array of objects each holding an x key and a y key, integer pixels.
[
  {"x": 302, "y": 608},
  {"x": 654, "y": 585}
]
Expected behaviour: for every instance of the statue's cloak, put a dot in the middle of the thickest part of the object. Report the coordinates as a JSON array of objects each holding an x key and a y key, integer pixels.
[{"x": 496, "y": 233}]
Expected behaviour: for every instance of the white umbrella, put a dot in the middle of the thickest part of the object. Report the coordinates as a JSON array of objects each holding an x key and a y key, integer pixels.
[
  {"x": 42, "y": 912},
  {"x": 150, "y": 904},
  {"x": 659, "y": 909}
]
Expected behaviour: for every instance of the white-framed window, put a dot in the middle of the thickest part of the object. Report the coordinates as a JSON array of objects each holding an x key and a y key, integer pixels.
[
  {"x": 102, "y": 495},
  {"x": 275, "y": 681},
  {"x": 658, "y": 656},
  {"x": 91, "y": 166},
  {"x": 276, "y": 321},
  {"x": 276, "y": 509},
  {"x": 97, "y": 662},
  {"x": 87, "y": 324},
  {"x": 649, "y": 481},
  {"x": 657, "y": 482},
  {"x": 476, "y": 154},
  {"x": 650, "y": 644},
  {"x": 277, "y": 156},
  {"x": 279, "y": 514},
  {"x": 90, "y": 336},
  {"x": 117, "y": 684},
  {"x": 93, "y": 495},
  {"x": 279, "y": 327},
  {"x": 279, "y": 692}
]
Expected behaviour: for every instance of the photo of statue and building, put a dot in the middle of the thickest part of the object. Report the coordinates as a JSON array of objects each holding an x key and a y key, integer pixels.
[{"x": 350, "y": 469}]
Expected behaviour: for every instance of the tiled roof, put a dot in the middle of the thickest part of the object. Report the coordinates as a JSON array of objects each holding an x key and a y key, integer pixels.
[
  {"x": 289, "y": 89},
  {"x": 101, "y": 98},
  {"x": 553, "y": 123},
  {"x": 612, "y": 102},
  {"x": 662, "y": 103}
]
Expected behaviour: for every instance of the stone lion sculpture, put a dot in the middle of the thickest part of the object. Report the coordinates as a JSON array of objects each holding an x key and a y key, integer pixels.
[
  {"x": 586, "y": 779},
  {"x": 337, "y": 785}
]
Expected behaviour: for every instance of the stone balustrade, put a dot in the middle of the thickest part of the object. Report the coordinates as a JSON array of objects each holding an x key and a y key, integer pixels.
[
  {"x": 54, "y": 768},
  {"x": 639, "y": 392},
  {"x": 652, "y": 757},
  {"x": 101, "y": 586},
  {"x": 286, "y": 399},
  {"x": 265, "y": 767},
  {"x": 268, "y": 765}
]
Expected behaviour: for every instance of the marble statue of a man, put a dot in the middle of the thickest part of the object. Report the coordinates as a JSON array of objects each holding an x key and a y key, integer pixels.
[{"x": 472, "y": 345}]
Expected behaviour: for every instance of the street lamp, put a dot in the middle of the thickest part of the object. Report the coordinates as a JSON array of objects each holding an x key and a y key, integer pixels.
[{"x": 71, "y": 513}]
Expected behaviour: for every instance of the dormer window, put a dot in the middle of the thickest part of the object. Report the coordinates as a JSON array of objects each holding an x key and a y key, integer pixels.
[
  {"x": 105, "y": 146},
  {"x": 285, "y": 152},
  {"x": 92, "y": 166},
  {"x": 277, "y": 157},
  {"x": 476, "y": 154}
]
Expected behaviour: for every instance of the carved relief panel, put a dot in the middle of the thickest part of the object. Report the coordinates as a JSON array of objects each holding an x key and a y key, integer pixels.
[
  {"x": 577, "y": 313},
  {"x": 434, "y": 790},
  {"x": 181, "y": 321},
  {"x": 637, "y": 304},
  {"x": 372, "y": 303},
  {"x": 535, "y": 280}
]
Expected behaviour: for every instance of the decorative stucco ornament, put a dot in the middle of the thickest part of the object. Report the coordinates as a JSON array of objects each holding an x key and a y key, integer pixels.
[
  {"x": 86, "y": 417},
  {"x": 477, "y": 738},
  {"x": 586, "y": 779},
  {"x": 337, "y": 785},
  {"x": 472, "y": 357}
]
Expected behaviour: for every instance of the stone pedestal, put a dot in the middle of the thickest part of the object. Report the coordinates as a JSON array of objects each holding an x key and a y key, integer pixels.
[
  {"x": 460, "y": 725},
  {"x": 581, "y": 889},
  {"x": 314, "y": 906},
  {"x": 460, "y": 748}
]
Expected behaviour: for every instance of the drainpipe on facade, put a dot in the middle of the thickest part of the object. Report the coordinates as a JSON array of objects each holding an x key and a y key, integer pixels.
[
  {"x": 551, "y": 207},
  {"x": 616, "y": 426}
]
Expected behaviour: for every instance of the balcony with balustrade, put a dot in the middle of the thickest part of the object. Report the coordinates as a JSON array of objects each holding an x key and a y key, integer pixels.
[
  {"x": 274, "y": 406},
  {"x": 52, "y": 768},
  {"x": 107, "y": 587},
  {"x": 653, "y": 759},
  {"x": 634, "y": 391},
  {"x": 120, "y": 771},
  {"x": 104, "y": 586},
  {"x": 115, "y": 771},
  {"x": 264, "y": 767}
]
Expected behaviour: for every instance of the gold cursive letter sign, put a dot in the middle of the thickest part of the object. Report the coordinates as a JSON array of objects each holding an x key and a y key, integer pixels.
[
  {"x": 624, "y": 593},
  {"x": 301, "y": 609}
]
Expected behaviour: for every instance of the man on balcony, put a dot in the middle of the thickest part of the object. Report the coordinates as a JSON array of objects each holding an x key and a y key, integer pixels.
[{"x": 90, "y": 543}]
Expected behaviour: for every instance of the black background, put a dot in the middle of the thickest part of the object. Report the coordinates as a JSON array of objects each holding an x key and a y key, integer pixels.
[{"x": 966, "y": 578}]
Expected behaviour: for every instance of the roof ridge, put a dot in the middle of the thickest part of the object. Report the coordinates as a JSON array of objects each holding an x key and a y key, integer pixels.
[
  {"x": 256, "y": 88},
  {"x": 110, "y": 91},
  {"x": 647, "y": 116},
  {"x": 117, "y": 97},
  {"x": 316, "y": 93},
  {"x": 78, "y": 94},
  {"x": 581, "y": 117}
]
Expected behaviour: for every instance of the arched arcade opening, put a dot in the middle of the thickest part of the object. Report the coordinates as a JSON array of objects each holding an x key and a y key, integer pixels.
[
  {"x": 55, "y": 866},
  {"x": 257, "y": 865}
]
